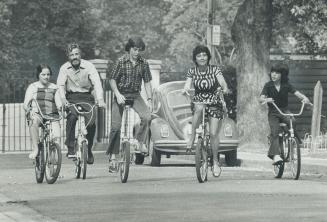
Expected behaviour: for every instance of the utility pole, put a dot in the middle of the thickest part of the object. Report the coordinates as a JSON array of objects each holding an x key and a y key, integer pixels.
[{"x": 210, "y": 14}]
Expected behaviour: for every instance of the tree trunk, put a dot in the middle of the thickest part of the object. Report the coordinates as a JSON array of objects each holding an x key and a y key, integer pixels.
[{"x": 251, "y": 33}]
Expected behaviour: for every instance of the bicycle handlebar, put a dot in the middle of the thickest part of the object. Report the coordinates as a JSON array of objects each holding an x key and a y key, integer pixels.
[
  {"x": 290, "y": 114},
  {"x": 75, "y": 105},
  {"x": 46, "y": 117}
]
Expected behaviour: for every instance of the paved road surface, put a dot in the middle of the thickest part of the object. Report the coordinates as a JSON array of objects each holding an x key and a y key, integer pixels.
[{"x": 167, "y": 193}]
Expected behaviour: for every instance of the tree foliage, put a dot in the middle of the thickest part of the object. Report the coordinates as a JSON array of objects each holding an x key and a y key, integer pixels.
[
  {"x": 300, "y": 26},
  {"x": 39, "y": 31}
]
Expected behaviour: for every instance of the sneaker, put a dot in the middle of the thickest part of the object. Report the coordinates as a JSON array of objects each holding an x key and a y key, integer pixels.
[
  {"x": 277, "y": 160},
  {"x": 143, "y": 148},
  {"x": 33, "y": 155},
  {"x": 71, "y": 154},
  {"x": 113, "y": 166},
  {"x": 216, "y": 170}
]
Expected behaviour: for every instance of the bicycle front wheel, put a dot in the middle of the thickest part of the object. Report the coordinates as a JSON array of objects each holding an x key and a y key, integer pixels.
[
  {"x": 295, "y": 158},
  {"x": 39, "y": 164},
  {"x": 284, "y": 153},
  {"x": 201, "y": 161},
  {"x": 84, "y": 159},
  {"x": 124, "y": 161},
  {"x": 53, "y": 163}
]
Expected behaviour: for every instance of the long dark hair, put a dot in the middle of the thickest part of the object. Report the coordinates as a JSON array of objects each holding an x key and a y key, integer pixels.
[{"x": 282, "y": 69}]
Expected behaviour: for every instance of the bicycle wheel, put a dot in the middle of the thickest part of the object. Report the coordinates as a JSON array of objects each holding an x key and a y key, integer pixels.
[
  {"x": 201, "y": 161},
  {"x": 294, "y": 158},
  {"x": 84, "y": 159},
  {"x": 53, "y": 163},
  {"x": 124, "y": 161},
  {"x": 77, "y": 161},
  {"x": 39, "y": 164},
  {"x": 283, "y": 146}
]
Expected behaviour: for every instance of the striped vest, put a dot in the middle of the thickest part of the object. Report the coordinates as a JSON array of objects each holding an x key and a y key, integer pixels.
[{"x": 46, "y": 100}]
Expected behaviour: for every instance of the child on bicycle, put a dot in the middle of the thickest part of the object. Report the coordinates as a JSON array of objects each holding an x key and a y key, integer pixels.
[
  {"x": 276, "y": 90},
  {"x": 47, "y": 96}
]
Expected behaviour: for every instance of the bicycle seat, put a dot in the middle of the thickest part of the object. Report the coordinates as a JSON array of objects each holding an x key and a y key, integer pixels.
[{"x": 129, "y": 102}]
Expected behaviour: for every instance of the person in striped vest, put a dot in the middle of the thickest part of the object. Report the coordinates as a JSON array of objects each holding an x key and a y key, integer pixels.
[{"x": 48, "y": 99}]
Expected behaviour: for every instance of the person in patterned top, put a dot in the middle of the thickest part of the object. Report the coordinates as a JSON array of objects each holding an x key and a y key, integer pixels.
[
  {"x": 208, "y": 83},
  {"x": 125, "y": 81},
  {"x": 48, "y": 99}
]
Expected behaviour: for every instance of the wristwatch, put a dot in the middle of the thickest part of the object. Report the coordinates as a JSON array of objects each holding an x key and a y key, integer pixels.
[{"x": 149, "y": 99}]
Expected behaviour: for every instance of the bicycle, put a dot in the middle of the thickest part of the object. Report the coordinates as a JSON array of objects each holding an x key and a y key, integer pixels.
[
  {"x": 49, "y": 158},
  {"x": 290, "y": 151},
  {"x": 81, "y": 143},
  {"x": 203, "y": 151},
  {"x": 128, "y": 144}
]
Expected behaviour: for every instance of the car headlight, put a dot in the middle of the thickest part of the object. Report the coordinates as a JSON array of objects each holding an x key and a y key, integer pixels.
[
  {"x": 228, "y": 130},
  {"x": 164, "y": 131}
]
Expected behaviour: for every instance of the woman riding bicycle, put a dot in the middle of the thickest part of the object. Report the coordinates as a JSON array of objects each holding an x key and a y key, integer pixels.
[
  {"x": 49, "y": 102},
  {"x": 276, "y": 90},
  {"x": 207, "y": 81}
]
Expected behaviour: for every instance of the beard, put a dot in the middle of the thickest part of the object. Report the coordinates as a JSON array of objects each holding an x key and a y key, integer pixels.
[{"x": 75, "y": 63}]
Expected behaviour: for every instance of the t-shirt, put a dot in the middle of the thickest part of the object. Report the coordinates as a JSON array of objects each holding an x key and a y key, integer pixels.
[{"x": 280, "y": 97}]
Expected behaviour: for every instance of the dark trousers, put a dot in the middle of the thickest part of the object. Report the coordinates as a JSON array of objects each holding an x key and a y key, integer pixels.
[
  {"x": 274, "y": 118},
  {"x": 72, "y": 117},
  {"x": 117, "y": 111}
]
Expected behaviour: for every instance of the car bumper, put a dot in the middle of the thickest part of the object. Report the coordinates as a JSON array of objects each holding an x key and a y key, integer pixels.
[{"x": 178, "y": 147}]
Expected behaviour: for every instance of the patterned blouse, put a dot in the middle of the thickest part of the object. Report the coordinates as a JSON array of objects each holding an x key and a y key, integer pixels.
[{"x": 206, "y": 86}]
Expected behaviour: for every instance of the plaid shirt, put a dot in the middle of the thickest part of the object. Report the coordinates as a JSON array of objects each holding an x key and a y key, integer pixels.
[{"x": 128, "y": 77}]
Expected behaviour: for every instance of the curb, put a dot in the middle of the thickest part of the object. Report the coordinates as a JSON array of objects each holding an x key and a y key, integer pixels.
[{"x": 259, "y": 161}]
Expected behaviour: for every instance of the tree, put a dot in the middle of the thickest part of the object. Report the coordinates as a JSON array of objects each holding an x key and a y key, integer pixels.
[
  {"x": 300, "y": 26},
  {"x": 41, "y": 30},
  {"x": 120, "y": 19},
  {"x": 251, "y": 33}
]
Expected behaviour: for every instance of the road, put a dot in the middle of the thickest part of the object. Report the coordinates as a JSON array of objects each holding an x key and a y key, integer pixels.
[{"x": 167, "y": 193}]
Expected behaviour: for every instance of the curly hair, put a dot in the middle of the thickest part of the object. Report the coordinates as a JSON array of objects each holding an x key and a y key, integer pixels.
[
  {"x": 201, "y": 48},
  {"x": 135, "y": 42},
  {"x": 72, "y": 46}
]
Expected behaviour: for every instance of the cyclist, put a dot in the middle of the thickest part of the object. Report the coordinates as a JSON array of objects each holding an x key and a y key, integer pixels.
[
  {"x": 276, "y": 90},
  {"x": 125, "y": 81},
  {"x": 207, "y": 80},
  {"x": 78, "y": 81},
  {"x": 47, "y": 96}
]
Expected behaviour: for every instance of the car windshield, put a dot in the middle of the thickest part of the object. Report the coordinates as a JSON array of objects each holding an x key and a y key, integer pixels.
[{"x": 180, "y": 104}]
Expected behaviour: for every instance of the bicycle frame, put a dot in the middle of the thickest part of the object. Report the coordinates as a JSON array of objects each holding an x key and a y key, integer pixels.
[{"x": 81, "y": 144}]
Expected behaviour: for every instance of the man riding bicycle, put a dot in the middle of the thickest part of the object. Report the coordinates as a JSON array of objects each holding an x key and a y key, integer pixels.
[
  {"x": 78, "y": 81},
  {"x": 125, "y": 81},
  {"x": 276, "y": 90}
]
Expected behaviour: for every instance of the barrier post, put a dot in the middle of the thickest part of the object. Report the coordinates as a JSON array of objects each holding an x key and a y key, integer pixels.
[
  {"x": 3, "y": 127},
  {"x": 316, "y": 114}
]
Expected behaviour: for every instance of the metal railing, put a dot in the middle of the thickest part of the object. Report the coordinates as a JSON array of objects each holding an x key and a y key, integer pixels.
[{"x": 14, "y": 131}]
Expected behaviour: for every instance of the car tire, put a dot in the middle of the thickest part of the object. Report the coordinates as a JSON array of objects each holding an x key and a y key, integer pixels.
[
  {"x": 139, "y": 159},
  {"x": 154, "y": 155},
  {"x": 231, "y": 158}
]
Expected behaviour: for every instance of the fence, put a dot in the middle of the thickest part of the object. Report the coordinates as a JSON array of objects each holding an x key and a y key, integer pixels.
[{"x": 14, "y": 132}]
